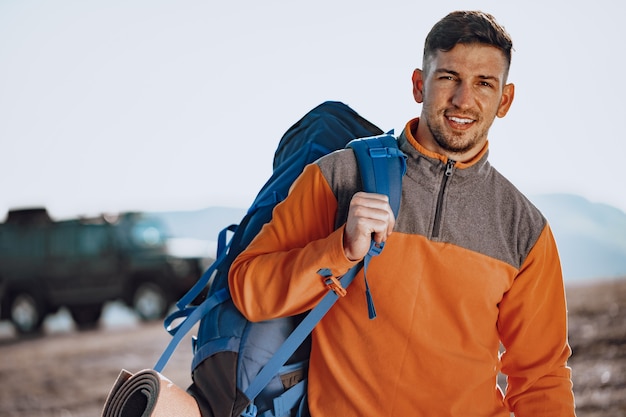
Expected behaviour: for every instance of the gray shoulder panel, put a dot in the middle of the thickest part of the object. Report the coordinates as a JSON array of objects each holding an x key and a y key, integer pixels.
[{"x": 481, "y": 211}]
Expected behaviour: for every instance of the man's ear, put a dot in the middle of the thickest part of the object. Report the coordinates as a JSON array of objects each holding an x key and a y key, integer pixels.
[
  {"x": 418, "y": 85},
  {"x": 508, "y": 93}
]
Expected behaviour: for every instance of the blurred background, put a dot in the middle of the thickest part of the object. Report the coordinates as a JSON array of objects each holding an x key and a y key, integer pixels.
[{"x": 131, "y": 132}]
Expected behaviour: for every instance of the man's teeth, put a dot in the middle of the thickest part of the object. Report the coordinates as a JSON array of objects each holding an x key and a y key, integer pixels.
[{"x": 459, "y": 120}]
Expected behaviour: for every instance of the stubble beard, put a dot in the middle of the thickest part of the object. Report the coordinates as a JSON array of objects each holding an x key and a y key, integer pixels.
[{"x": 454, "y": 142}]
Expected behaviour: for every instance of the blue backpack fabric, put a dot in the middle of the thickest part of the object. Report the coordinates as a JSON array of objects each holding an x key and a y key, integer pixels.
[{"x": 250, "y": 369}]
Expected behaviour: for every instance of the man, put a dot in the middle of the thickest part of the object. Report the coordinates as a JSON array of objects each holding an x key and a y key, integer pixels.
[{"x": 468, "y": 265}]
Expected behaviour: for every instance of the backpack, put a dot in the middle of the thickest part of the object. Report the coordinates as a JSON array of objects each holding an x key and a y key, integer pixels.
[{"x": 249, "y": 369}]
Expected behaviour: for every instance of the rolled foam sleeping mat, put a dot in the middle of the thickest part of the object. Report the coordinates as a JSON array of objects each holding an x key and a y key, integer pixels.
[{"x": 149, "y": 394}]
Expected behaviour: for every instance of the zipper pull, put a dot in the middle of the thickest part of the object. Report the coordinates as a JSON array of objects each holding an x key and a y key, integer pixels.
[{"x": 449, "y": 167}]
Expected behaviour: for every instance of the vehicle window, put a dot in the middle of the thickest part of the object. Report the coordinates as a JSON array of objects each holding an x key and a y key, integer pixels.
[
  {"x": 93, "y": 240},
  {"x": 22, "y": 242},
  {"x": 63, "y": 240},
  {"x": 148, "y": 233}
]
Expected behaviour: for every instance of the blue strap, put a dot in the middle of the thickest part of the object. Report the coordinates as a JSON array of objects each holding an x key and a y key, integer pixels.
[
  {"x": 374, "y": 250},
  {"x": 250, "y": 411},
  {"x": 382, "y": 166},
  {"x": 222, "y": 252},
  {"x": 296, "y": 338},
  {"x": 286, "y": 401},
  {"x": 195, "y": 314},
  {"x": 190, "y": 315}
]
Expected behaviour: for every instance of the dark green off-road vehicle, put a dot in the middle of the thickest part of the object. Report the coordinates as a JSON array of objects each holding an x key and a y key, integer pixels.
[{"x": 81, "y": 264}]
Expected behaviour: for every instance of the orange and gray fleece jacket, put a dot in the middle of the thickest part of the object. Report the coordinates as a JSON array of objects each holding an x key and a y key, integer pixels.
[{"x": 471, "y": 264}]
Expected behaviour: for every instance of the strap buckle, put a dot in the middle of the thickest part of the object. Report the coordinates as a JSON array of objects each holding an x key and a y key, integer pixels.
[{"x": 332, "y": 282}]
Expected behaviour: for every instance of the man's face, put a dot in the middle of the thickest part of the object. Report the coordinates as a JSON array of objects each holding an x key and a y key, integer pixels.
[{"x": 462, "y": 92}]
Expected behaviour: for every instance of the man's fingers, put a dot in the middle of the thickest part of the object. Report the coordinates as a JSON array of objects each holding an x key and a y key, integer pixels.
[
  {"x": 369, "y": 217},
  {"x": 376, "y": 211}
]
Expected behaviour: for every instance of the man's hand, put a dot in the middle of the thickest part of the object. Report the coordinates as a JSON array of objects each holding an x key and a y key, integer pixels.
[{"x": 369, "y": 216}]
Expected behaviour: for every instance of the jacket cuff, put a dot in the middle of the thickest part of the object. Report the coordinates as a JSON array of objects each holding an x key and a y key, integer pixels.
[{"x": 339, "y": 262}]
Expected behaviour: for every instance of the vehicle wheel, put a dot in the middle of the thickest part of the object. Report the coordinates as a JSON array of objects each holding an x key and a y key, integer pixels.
[
  {"x": 86, "y": 316},
  {"x": 149, "y": 301},
  {"x": 26, "y": 313}
]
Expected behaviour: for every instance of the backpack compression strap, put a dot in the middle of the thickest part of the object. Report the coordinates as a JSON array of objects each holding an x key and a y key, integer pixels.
[
  {"x": 382, "y": 166},
  {"x": 188, "y": 315}
]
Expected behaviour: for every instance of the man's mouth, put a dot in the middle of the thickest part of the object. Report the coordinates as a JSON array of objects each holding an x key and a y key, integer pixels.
[
  {"x": 460, "y": 120},
  {"x": 460, "y": 123}
]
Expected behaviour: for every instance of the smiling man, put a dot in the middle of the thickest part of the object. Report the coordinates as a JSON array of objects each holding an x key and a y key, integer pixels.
[
  {"x": 462, "y": 91},
  {"x": 469, "y": 264}
]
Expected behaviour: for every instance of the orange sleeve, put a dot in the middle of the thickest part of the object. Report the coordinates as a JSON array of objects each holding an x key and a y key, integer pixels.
[
  {"x": 533, "y": 329},
  {"x": 276, "y": 276}
]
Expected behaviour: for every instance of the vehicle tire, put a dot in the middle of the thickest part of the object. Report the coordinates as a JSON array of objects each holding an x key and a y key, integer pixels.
[
  {"x": 26, "y": 313},
  {"x": 86, "y": 316},
  {"x": 150, "y": 301}
]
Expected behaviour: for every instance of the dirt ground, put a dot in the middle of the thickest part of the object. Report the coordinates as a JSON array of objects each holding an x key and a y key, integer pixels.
[
  {"x": 66, "y": 373},
  {"x": 597, "y": 331}
]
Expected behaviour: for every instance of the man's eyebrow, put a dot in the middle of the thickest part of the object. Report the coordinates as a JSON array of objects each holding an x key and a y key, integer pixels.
[
  {"x": 489, "y": 77},
  {"x": 456, "y": 74},
  {"x": 446, "y": 71}
]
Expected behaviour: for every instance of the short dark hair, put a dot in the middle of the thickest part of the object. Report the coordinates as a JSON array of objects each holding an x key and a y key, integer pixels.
[{"x": 468, "y": 27}]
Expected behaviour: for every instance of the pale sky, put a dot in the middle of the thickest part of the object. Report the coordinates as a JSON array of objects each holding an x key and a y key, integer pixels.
[{"x": 177, "y": 105}]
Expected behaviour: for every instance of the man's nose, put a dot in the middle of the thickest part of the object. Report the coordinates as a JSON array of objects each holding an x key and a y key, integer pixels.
[{"x": 463, "y": 96}]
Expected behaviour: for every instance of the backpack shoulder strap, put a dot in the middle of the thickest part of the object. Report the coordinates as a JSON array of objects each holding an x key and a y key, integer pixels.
[{"x": 382, "y": 165}]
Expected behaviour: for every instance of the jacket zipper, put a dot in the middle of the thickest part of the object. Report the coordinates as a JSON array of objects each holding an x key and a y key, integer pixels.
[{"x": 442, "y": 189}]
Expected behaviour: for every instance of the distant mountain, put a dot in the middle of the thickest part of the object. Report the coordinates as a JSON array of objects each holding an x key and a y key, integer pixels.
[
  {"x": 591, "y": 237},
  {"x": 204, "y": 224}
]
